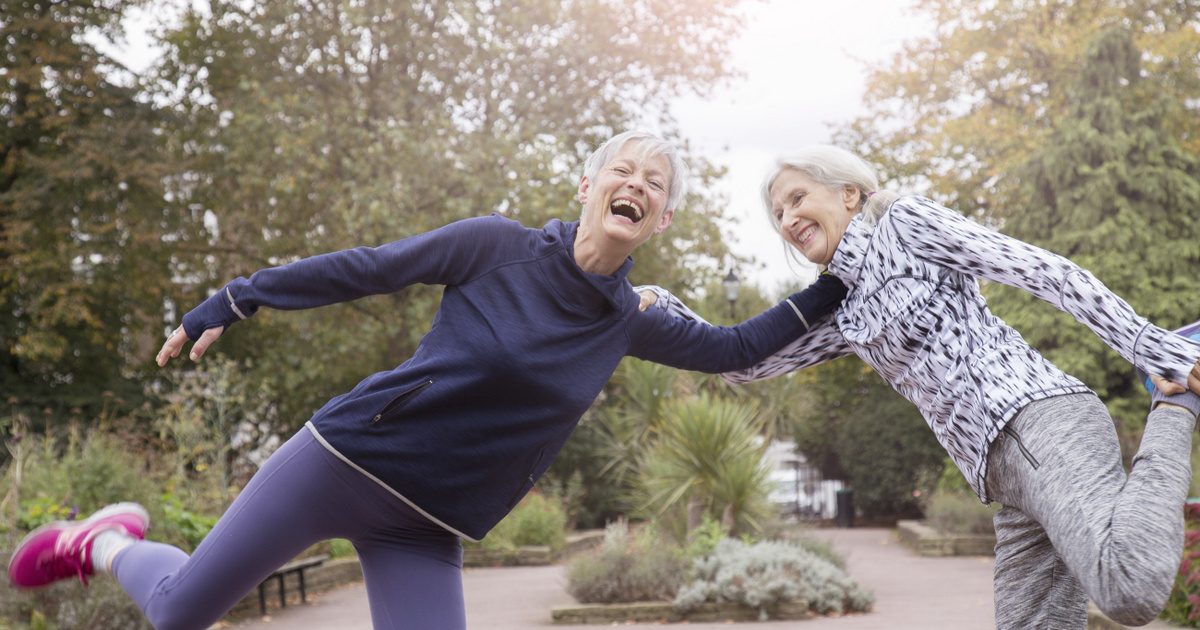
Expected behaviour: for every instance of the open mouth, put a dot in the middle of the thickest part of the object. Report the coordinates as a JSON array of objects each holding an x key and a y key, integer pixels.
[
  {"x": 627, "y": 208},
  {"x": 805, "y": 235}
]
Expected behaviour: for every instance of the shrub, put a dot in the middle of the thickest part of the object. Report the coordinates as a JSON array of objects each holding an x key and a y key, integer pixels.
[
  {"x": 959, "y": 513},
  {"x": 183, "y": 523},
  {"x": 627, "y": 568},
  {"x": 537, "y": 520},
  {"x": 765, "y": 575},
  {"x": 822, "y": 549},
  {"x": 341, "y": 548},
  {"x": 1183, "y": 607}
]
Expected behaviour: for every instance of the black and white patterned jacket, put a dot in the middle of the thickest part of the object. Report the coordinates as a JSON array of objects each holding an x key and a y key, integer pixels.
[{"x": 914, "y": 313}]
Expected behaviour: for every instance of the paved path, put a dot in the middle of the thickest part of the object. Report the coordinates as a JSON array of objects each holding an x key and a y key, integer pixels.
[{"x": 911, "y": 592}]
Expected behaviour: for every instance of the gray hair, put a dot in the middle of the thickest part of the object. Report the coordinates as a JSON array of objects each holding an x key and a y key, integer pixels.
[
  {"x": 651, "y": 145},
  {"x": 834, "y": 168}
]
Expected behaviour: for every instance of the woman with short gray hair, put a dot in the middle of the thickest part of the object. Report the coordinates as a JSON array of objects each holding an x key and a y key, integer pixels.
[
  {"x": 532, "y": 323},
  {"x": 1073, "y": 524}
]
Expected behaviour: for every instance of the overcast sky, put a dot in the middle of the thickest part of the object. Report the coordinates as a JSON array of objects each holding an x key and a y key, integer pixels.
[{"x": 803, "y": 64}]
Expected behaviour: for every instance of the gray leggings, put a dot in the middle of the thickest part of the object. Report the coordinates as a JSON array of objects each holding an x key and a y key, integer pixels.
[
  {"x": 303, "y": 494},
  {"x": 1074, "y": 525}
]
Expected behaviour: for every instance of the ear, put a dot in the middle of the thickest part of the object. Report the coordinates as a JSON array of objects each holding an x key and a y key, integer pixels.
[
  {"x": 851, "y": 197},
  {"x": 664, "y": 221},
  {"x": 581, "y": 195}
]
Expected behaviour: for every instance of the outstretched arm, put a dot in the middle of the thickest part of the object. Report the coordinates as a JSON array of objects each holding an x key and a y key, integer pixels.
[
  {"x": 674, "y": 335},
  {"x": 937, "y": 234},
  {"x": 447, "y": 255}
]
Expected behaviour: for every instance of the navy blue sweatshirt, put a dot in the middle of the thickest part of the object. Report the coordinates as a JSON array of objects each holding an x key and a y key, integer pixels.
[{"x": 522, "y": 344}]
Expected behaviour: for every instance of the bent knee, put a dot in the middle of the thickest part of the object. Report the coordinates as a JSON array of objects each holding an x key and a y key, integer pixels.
[{"x": 1132, "y": 608}]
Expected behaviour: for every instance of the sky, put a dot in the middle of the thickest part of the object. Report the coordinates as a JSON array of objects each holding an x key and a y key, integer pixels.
[{"x": 803, "y": 66}]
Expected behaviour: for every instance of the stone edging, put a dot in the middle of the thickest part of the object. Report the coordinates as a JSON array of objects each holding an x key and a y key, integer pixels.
[
  {"x": 927, "y": 541},
  {"x": 665, "y": 612}
]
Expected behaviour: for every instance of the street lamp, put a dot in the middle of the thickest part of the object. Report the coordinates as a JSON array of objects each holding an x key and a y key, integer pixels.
[{"x": 732, "y": 284}]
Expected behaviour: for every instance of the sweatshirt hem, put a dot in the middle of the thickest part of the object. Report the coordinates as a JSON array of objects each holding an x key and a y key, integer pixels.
[{"x": 329, "y": 447}]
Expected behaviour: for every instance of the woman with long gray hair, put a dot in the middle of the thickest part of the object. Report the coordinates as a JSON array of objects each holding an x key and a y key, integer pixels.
[{"x": 1073, "y": 524}]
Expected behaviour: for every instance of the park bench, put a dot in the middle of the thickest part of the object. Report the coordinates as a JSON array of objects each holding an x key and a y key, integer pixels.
[{"x": 295, "y": 566}]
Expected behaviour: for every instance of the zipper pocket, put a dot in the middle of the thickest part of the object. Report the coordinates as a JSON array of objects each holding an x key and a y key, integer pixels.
[
  {"x": 528, "y": 483},
  {"x": 399, "y": 400},
  {"x": 1024, "y": 451}
]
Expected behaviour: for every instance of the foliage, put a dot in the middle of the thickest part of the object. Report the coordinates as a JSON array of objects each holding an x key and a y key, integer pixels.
[
  {"x": 857, "y": 428},
  {"x": 1183, "y": 607},
  {"x": 82, "y": 214},
  {"x": 68, "y": 605},
  {"x": 306, "y": 127},
  {"x": 1119, "y": 195},
  {"x": 190, "y": 526},
  {"x": 341, "y": 548},
  {"x": 959, "y": 513},
  {"x": 766, "y": 574},
  {"x": 627, "y": 568},
  {"x": 708, "y": 459},
  {"x": 41, "y": 510},
  {"x": 820, "y": 548},
  {"x": 702, "y": 541},
  {"x": 1069, "y": 125},
  {"x": 537, "y": 520}
]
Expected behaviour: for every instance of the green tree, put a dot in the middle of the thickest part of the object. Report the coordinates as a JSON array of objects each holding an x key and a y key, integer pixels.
[
  {"x": 1113, "y": 190},
  {"x": 314, "y": 126},
  {"x": 856, "y": 428},
  {"x": 956, "y": 112},
  {"x": 83, "y": 267}
]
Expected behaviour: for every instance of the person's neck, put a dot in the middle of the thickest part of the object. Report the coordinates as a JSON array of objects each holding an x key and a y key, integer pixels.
[{"x": 594, "y": 255}]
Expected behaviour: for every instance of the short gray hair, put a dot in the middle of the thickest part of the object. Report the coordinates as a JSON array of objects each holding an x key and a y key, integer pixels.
[{"x": 651, "y": 145}]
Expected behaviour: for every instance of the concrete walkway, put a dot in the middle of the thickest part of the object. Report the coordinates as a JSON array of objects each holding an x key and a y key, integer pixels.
[{"x": 911, "y": 592}]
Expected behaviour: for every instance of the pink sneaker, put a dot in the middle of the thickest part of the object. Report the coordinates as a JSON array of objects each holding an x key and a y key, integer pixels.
[{"x": 63, "y": 549}]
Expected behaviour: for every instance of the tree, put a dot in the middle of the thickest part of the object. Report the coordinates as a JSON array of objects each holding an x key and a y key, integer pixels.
[
  {"x": 1115, "y": 192},
  {"x": 956, "y": 112},
  {"x": 318, "y": 125},
  {"x": 1019, "y": 114},
  {"x": 83, "y": 268}
]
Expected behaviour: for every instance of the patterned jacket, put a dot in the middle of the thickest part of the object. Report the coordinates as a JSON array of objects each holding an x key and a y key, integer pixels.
[{"x": 915, "y": 314}]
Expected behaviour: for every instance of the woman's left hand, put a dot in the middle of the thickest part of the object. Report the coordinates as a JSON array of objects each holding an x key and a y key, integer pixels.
[{"x": 1169, "y": 387}]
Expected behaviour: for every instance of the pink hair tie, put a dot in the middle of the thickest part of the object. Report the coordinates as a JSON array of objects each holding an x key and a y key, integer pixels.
[{"x": 870, "y": 193}]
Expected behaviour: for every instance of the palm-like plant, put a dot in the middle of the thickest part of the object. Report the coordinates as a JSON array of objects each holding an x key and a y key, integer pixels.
[
  {"x": 631, "y": 425},
  {"x": 708, "y": 458}
]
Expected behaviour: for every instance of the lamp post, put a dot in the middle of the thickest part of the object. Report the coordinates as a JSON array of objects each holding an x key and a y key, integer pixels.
[{"x": 732, "y": 283}]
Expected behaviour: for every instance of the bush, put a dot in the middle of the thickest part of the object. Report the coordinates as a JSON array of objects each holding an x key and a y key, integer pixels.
[
  {"x": 958, "y": 513},
  {"x": 537, "y": 520},
  {"x": 767, "y": 574},
  {"x": 627, "y": 568},
  {"x": 1183, "y": 607}
]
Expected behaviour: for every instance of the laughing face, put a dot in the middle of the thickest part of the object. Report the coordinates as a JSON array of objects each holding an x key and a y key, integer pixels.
[
  {"x": 812, "y": 217},
  {"x": 626, "y": 202}
]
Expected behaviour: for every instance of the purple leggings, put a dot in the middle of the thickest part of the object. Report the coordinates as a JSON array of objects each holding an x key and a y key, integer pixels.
[{"x": 303, "y": 494}]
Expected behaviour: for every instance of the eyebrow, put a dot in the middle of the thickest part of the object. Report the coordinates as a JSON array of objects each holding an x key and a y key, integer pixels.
[{"x": 629, "y": 162}]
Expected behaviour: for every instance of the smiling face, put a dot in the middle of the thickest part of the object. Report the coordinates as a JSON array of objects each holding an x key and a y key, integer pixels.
[
  {"x": 811, "y": 216},
  {"x": 626, "y": 200}
]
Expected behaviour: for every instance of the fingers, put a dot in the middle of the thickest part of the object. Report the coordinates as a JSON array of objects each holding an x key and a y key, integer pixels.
[
  {"x": 1168, "y": 387},
  {"x": 1194, "y": 378},
  {"x": 171, "y": 347},
  {"x": 647, "y": 299},
  {"x": 205, "y": 341}
]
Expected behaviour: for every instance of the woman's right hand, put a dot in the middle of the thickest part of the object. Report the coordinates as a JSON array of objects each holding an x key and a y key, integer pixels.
[
  {"x": 1169, "y": 387},
  {"x": 174, "y": 344}
]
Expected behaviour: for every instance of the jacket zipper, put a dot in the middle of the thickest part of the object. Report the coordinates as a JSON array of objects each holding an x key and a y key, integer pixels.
[{"x": 399, "y": 400}]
